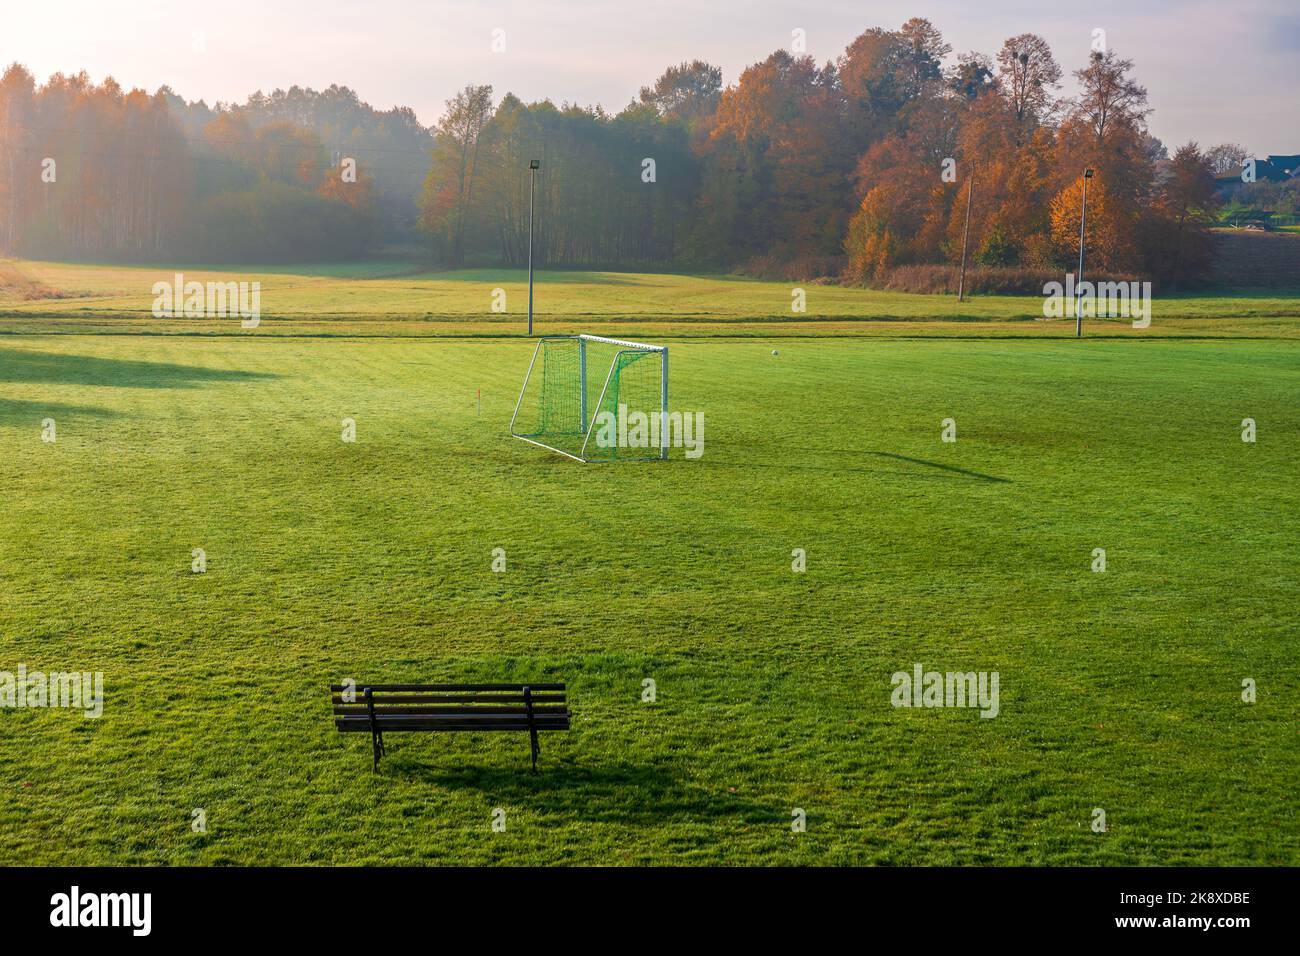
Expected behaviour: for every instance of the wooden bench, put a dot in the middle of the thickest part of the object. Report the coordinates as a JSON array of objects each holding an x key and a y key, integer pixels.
[{"x": 379, "y": 708}]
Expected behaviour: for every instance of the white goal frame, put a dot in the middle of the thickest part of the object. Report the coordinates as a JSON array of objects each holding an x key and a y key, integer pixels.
[{"x": 588, "y": 426}]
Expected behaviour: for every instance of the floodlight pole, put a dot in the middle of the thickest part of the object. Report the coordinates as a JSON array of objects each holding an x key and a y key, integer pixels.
[
  {"x": 961, "y": 280},
  {"x": 533, "y": 164},
  {"x": 1078, "y": 289}
]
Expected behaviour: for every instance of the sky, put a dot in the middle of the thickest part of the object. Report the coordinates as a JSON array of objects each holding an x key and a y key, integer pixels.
[{"x": 1222, "y": 71}]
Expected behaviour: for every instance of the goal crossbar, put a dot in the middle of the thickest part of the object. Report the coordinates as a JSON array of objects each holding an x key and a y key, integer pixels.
[{"x": 624, "y": 344}]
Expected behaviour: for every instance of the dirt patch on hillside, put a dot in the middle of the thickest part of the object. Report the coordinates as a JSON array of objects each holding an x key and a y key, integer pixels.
[{"x": 1256, "y": 259}]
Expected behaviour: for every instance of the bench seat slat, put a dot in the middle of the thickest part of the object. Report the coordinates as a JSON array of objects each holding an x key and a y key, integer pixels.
[
  {"x": 423, "y": 723},
  {"x": 381, "y": 722}
]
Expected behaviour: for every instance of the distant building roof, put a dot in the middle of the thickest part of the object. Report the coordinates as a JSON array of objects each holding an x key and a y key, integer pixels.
[
  {"x": 1288, "y": 164},
  {"x": 1275, "y": 169}
]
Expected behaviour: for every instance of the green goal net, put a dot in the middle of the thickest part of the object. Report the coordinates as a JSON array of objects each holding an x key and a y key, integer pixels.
[{"x": 595, "y": 399}]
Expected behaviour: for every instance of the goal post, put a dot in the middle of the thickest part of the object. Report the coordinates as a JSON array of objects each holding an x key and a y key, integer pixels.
[{"x": 593, "y": 398}]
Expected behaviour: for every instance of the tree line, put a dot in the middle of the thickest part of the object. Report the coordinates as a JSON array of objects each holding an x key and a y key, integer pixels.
[
  {"x": 865, "y": 166},
  {"x": 862, "y": 166},
  {"x": 93, "y": 170}
]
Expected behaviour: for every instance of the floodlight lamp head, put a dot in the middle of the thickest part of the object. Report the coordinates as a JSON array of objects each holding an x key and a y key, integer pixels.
[
  {"x": 1087, "y": 173},
  {"x": 534, "y": 164}
]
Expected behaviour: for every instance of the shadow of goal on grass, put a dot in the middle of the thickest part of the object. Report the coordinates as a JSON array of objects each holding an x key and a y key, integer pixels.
[
  {"x": 942, "y": 467},
  {"x": 50, "y": 368},
  {"x": 848, "y": 462},
  {"x": 20, "y": 412}
]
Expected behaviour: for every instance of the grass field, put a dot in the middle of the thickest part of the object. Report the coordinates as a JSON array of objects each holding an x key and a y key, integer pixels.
[
  {"x": 326, "y": 560},
  {"x": 389, "y": 299}
]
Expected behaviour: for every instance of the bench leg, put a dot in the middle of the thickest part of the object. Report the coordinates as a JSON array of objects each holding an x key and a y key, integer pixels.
[
  {"x": 532, "y": 727},
  {"x": 376, "y": 735}
]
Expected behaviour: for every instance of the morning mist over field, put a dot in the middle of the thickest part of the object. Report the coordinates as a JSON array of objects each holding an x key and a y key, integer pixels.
[
  {"x": 813, "y": 161},
  {"x": 1212, "y": 72}
]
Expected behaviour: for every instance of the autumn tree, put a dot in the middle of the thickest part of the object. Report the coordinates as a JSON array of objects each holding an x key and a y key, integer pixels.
[
  {"x": 781, "y": 158},
  {"x": 1105, "y": 128},
  {"x": 923, "y": 53},
  {"x": 17, "y": 109},
  {"x": 1175, "y": 233},
  {"x": 1226, "y": 158},
  {"x": 972, "y": 76},
  {"x": 688, "y": 92},
  {"x": 449, "y": 187},
  {"x": 289, "y": 154},
  {"x": 1028, "y": 74},
  {"x": 1108, "y": 234},
  {"x": 870, "y": 72},
  {"x": 1109, "y": 98}
]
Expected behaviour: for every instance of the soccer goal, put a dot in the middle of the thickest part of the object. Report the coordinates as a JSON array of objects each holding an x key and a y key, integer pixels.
[{"x": 595, "y": 399}]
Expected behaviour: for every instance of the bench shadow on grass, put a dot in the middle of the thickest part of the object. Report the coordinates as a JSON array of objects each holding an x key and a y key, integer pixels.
[
  {"x": 52, "y": 368},
  {"x": 619, "y": 793}
]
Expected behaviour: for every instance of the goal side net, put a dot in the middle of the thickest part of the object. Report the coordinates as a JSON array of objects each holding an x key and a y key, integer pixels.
[{"x": 595, "y": 399}]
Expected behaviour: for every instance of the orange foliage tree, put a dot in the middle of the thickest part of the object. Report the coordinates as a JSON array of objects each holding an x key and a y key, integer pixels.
[{"x": 1108, "y": 236}]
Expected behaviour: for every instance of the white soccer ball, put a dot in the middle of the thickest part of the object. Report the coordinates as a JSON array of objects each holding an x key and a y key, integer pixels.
[{"x": 775, "y": 352}]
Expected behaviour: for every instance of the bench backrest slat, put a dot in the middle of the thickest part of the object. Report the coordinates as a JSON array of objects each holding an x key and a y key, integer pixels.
[{"x": 448, "y": 699}]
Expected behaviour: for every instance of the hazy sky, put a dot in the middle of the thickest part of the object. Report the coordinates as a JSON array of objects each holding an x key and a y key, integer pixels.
[{"x": 1217, "y": 71}]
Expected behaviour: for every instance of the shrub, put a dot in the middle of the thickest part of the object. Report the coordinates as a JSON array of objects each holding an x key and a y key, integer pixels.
[
  {"x": 986, "y": 280},
  {"x": 996, "y": 249},
  {"x": 797, "y": 269}
]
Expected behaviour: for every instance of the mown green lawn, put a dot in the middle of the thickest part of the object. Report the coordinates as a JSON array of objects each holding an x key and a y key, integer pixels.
[
  {"x": 326, "y": 560},
  {"x": 396, "y": 298}
]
